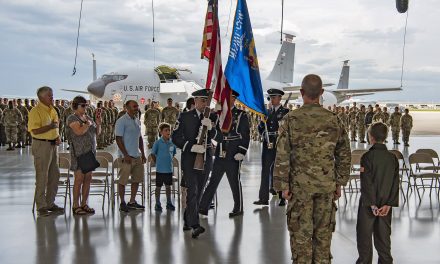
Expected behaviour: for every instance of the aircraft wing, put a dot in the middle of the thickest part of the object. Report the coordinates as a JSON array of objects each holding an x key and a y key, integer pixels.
[
  {"x": 354, "y": 92},
  {"x": 297, "y": 88},
  {"x": 75, "y": 91}
]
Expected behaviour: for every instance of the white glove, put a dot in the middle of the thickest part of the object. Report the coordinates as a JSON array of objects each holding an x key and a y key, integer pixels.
[
  {"x": 239, "y": 157},
  {"x": 207, "y": 122},
  {"x": 198, "y": 149},
  {"x": 218, "y": 107}
]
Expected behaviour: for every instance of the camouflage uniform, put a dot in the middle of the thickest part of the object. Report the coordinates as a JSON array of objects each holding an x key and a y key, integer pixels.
[
  {"x": 123, "y": 112},
  {"x": 68, "y": 112},
  {"x": 169, "y": 115},
  {"x": 313, "y": 157},
  {"x": 378, "y": 117},
  {"x": 406, "y": 123},
  {"x": 104, "y": 126},
  {"x": 344, "y": 119},
  {"x": 151, "y": 122},
  {"x": 110, "y": 122},
  {"x": 115, "y": 117},
  {"x": 22, "y": 130},
  {"x": 28, "y": 134},
  {"x": 3, "y": 140},
  {"x": 60, "y": 110},
  {"x": 12, "y": 118},
  {"x": 352, "y": 121},
  {"x": 360, "y": 123},
  {"x": 395, "y": 126}
]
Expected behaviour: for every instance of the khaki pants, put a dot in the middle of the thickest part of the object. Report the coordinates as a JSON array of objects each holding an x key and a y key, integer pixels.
[{"x": 47, "y": 173}]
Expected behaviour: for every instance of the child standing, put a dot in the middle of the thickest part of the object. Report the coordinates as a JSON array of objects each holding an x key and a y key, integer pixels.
[
  {"x": 379, "y": 192},
  {"x": 163, "y": 152}
]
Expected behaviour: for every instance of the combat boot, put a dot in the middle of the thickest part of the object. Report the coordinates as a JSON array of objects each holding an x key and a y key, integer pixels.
[
  {"x": 11, "y": 147},
  {"x": 18, "y": 145}
]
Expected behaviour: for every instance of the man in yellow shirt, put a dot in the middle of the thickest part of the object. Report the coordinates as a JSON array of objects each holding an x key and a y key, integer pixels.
[{"x": 43, "y": 124}]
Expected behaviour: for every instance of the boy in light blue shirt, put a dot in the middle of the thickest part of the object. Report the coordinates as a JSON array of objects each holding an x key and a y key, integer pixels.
[{"x": 163, "y": 153}]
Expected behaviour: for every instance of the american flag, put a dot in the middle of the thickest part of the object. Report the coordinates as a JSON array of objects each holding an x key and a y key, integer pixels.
[{"x": 222, "y": 91}]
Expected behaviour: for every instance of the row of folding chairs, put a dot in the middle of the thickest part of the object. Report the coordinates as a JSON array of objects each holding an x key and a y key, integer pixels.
[
  {"x": 421, "y": 171},
  {"x": 104, "y": 179},
  {"x": 424, "y": 170}
]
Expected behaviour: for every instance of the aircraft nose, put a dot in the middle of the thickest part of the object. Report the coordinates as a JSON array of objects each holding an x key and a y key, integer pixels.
[{"x": 97, "y": 88}]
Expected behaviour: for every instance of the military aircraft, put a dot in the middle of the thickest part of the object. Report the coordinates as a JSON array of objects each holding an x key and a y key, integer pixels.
[
  {"x": 281, "y": 77},
  {"x": 336, "y": 96},
  {"x": 141, "y": 84}
]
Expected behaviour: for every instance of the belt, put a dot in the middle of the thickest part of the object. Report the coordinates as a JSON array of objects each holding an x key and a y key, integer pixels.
[
  {"x": 47, "y": 140},
  {"x": 231, "y": 138}
]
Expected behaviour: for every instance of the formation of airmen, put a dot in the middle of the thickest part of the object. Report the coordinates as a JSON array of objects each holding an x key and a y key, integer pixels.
[
  {"x": 14, "y": 117},
  {"x": 358, "y": 120}
]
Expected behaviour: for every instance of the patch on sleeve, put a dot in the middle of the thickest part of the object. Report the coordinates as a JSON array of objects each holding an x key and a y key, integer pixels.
[{"x": 362, "y": 169}]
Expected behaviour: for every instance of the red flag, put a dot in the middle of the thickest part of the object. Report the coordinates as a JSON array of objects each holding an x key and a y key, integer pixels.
[{"x": 216, "y": 79}]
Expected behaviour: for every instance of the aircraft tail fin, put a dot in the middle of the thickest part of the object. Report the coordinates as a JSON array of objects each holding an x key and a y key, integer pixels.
[
  {"x": 283, "y": 69},
  {"x": 345, "y": 74}
]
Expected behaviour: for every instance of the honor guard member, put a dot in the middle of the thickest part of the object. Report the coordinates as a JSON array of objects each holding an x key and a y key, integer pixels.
[
  {"x": 231, "y": 149},
  {"x": 170, "y": 113},
  {"x": 270, "y": 135},
  {"x": 395, "y": 125},
  {"x": 151, "y": 122},
  {"x": 360, "y": 123},
  {"x": 185, "y": 136},
  {"x": 312, "y": 163}
]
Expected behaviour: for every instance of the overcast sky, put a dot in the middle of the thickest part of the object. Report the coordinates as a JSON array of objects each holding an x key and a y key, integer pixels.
[{"x": 38, "y": 40}]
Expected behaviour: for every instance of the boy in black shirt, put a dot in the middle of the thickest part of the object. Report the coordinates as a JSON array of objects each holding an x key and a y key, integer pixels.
[{"x": 379, "y": 192}]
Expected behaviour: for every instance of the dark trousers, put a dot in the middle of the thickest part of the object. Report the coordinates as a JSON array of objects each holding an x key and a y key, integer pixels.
[
  {"x": 195, "y": 181},
  {"x": 268, "y": 159},
  {"x": 367, "y": 226},
  {"x": 2, "y": 135},
  {"x": 232, "y": 170}
]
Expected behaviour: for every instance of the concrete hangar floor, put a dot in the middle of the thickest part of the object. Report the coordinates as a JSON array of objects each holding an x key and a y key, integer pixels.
[{"x": 259, "y": 236}]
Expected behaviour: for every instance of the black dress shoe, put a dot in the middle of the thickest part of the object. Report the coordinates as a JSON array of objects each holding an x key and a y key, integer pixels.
[
  {"x": 397, "y": 142},
  {"x": 234, "y": 214},
  {"x": 197, "y": 231},
  {"x": 272, "y": 191},
  {"x": 363, "y": 141},
  {"x": 282, "y": 202},
  {"x": 259, "y": 202}
]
